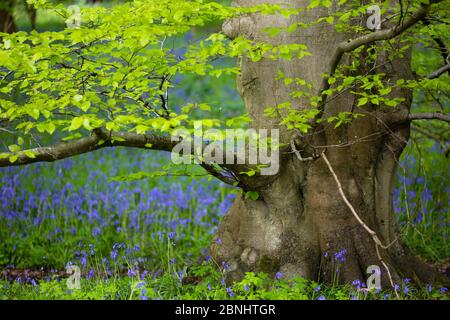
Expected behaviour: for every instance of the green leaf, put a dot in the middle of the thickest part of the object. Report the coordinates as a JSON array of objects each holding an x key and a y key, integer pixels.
[
  {"x": 362, "y": 101},
  {"x": 30, "y": 154},
  {"x": 87, "y": 124},
  {"x": 13, "y": 158},
  {"x": 292, "y": 28},
  {"x": 141, "y": 129},
  {"x": 50, "y": 127},
  {"x": 110, "y": 125},
  {"x": 272, "y": 31},
  {"x": 14, "y": 148},
  {"x": 249, "y": 173},
  {"x": 76, "y": 123},
  {"x": 252, "y": 195},
  {"x": 204, "y": 106},
  {"x": 34, "y": 113},
  {"x": 385, "y": 91}
]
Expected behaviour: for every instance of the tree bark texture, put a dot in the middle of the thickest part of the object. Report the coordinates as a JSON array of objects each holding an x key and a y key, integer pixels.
[{"x": 300, "y": 223}]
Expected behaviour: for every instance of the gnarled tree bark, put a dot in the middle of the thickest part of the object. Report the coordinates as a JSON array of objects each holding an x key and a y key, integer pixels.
[{"x": 300, "y": 221}]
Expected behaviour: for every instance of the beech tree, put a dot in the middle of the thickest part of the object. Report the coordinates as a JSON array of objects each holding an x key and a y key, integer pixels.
[{"x": 337, "y": 81}]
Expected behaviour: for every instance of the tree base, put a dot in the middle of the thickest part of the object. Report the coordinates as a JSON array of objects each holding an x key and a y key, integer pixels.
[{"x": 281, "y": 233}]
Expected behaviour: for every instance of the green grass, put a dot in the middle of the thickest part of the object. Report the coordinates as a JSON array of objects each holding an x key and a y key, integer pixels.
[{"x": 211, "y": 286}]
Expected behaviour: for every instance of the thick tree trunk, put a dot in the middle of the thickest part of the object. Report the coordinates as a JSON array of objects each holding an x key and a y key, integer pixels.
[
  {"x": 300, "y": 222},
  {"x": 7, "y": 23}
]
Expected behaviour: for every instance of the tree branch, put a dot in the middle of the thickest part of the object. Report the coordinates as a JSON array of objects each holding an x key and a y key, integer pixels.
[
  {"x": 437, "y": 73},
  {"x": 98, "y": 140},
  {"x": 429, "y": 116},
  {"x": 441, "y": 44},
  {"x": 386, "y": 34}
]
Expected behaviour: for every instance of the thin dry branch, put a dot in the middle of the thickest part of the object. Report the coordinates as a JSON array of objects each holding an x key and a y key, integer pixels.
[
  {"x": 372, "y": 233},
  {"x": 297, "y": 153}
]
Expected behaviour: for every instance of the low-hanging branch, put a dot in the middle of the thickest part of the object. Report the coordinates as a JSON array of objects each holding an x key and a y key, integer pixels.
[{"x": 99, "y": 139}]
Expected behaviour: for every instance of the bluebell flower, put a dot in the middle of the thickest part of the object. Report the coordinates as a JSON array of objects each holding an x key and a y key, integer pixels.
[
  {"x": 84, "y": 260},
  {"x": 406, "y": 290},
  {"x": 357, "y": 284},
  {"x": 114, "y": 254},
  {"x": 225, "y": 265},
  {"x": 340, "y": 256},
  {"x": 90, "y": 274}
]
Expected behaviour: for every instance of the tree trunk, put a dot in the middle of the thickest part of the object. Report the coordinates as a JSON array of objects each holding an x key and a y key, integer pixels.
[
  {"x": 300, "y": 223},
  {"x": 32, "y": 14},
  {"x": 7, "y": 23}
]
